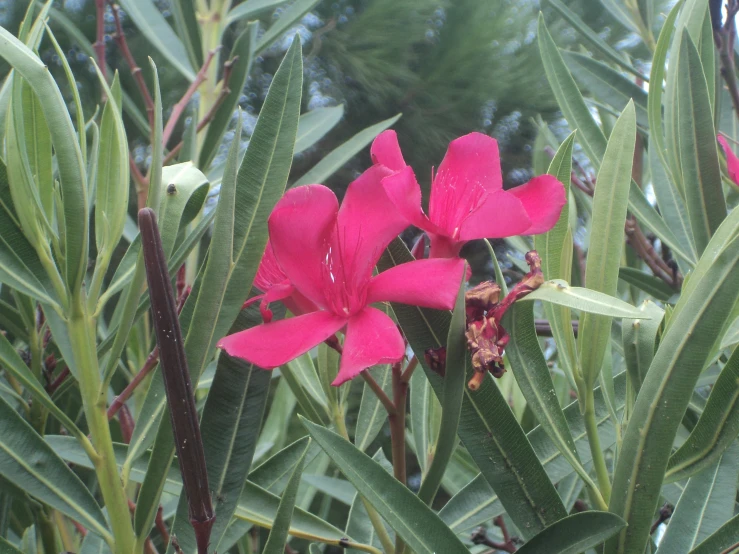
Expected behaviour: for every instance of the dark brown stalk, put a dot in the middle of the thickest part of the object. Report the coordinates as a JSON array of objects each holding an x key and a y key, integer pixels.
[
  {"x": 723, "y": 37},
  {"x": 397, "y": 432},
  {"x": 184, "y": 415}
]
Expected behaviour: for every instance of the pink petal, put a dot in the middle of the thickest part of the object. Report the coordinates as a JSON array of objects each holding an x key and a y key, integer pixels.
[
  {"x": 732, "y": 162},
  {"x": 386, "y": 151},
  {"x": 405, "y": 192},
  {"x": 299, "y": 229},
  {"x": 367, "y": 222},
  {"x": 273, "y": 344},
  {"x": 500, "y": 215},
  {"x": 275, "y": 293},
  {"x": 470, "y": 170},
  {"x": 269, "y": 272},
  {"x": 432, "y": 283},
  {"x": 543, "y": 198},
  {"x": 443, "y": 246},
  {"x": 371, "y": 338}
]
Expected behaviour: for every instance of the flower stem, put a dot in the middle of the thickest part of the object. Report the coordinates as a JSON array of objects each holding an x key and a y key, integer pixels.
[
  {"x": 397, "y": 434},
  {"x": 81, "y": 328},
  {"x": 374, "y": 517},
  {"x": 599, "y": 462}
]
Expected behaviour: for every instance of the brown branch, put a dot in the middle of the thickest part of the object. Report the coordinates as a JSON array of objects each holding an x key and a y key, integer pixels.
[
  {"x": 99, "y": 45},
  {"x": 732, "y": 548},
  {"x": 724, "y": 38},
  {"x": 379, "y": 392},
  {"x": 208, "y": 117},
  {"x": 665, "y": 513},
  {"x": 120, "y": 39},
  {"x": 646, "y": 252},
  {"x": 544, "y": 329},
  {"x": 161, "y": 526},
  {"x": 180, "y": 106}
]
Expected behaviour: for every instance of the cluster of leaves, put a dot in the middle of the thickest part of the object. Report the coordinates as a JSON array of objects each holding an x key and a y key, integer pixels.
[{"x": 656, "y": 385}]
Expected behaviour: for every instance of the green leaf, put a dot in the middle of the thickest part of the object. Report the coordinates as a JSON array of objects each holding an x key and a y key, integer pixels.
[
  {"x": 704, "y": 307},
  {"x": 278, "y": 534},
  {"x": 725, "y": 537},
  {"x": 589, "y": 301},
  {"x": 15, "y": 366},
  {"x": 639, "y": 340},
  {"x": 157, "y": 31},
  {"x": 112, "y": 176},
  {"x": 594, "y": 38},
  {"x": 621, "y": 13},
  {"x": 607, "y": 85},
  {"x": 273, "y": 474},
  {"x": 314, "y": 125},
  {"x": 415, "y": 523},
  {"x": 716, "y": 429},
  {"x": 251, "y": 9},
  {"x": 457, "y": 364},
  {"x": 343, "y": 153},
  {"x": 488, "y": 428},
  {"x": 731, "y": 337},
  {"x": 255, "y": 504},
  {"x": 533, "y": 377},
  {"x": 27, "y": 461},
  {"x": 555, "y": 249},
  {"x": 606, "y": 246},
  {"x": 592, "y": 138},
  {"x": 287, "y": 19},
  {"x": 574, "y": 534},
  {"x": 372, "y": 414},
  {"x": 70, "y": 165},
  {"x": 242, "y": 56},
  {"x": 188, "y": 28},
  {"x": 7, "y": 547},
  {"x": 424, "y": 418},
  {"x": 300, "y": 374},
  {"x": 699, "y": 164},
  {"x": 706, "y": 503},
  {"x": 654, "y": 286},
  {"x": 92, "y": 544},
  {"x": 230, "y": 424},
  {"x": 477, "y": 503},
  {"x": 20, "y": 267}
]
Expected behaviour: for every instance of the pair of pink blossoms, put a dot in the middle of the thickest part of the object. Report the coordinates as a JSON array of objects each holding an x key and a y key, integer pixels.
[{"x": 321, "y": 257}]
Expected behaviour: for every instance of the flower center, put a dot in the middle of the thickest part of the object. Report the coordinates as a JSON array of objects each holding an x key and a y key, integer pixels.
[{"x": 453, "y": 199}]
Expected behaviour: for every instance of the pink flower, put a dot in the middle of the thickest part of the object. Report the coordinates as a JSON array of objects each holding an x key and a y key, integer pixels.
[
  {"x": 276, "y": 286},
  {"x": 467, "y": 197},
  {"x": 328, "y": 255},
  {"x": 732, "y": 162}
]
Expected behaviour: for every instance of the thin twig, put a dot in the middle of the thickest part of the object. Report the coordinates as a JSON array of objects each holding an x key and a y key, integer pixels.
[
  {"x": 724, "y": 38},
  {"x": 120, "y": 39},
  {"x": 208, "y": 117},
  {"x": 161, "y": 526},
  {"x": 377, "y": 389},
  {"x": 99, "y": 45},
  {"x": 646, "y": 252},
  {"x": 732, "y": 548},
  {"x": 180, "y": 106}
]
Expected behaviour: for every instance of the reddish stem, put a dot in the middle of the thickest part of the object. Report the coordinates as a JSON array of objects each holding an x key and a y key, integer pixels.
[
  {"x": 56, "y": 383},
  {"x": 99, "y": 45},
  {"x": 208, "y": 117},
  {"x": 161, "y": 526},
  {"x": 120, "y": 39},
  {"x": 180, "y": 106},
  {"x": 121, "y": 399}
]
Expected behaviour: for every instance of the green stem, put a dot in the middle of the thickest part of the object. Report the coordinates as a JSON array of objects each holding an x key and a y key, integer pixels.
[
  {"x": 599, "y": 461},
  {"x": 47, "y": 530},
  {"x": 38, "y": 413},
  {"x": 397, "y": 435},
  {"x": 81, "y": 328},
  {"x": 374, "y": 517}
]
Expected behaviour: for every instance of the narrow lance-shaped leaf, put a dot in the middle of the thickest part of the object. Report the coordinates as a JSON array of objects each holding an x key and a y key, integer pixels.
[
  {"x": 586, "y": 300},
  {"x": 704, "y": 307},
  {"x": 184, "y": 415},
  {"x": 555, "y": 249},
  {"x": 604, "y": 252},
  {"x": 701, "y": 174},
  {"x": 716, "y": 429},
  {"x": 416, "y": 523},
  {"x": 574, "y": 534},
  {"x": 457, "y": 362},
  {"x": 278, "y": 534},
  {"x": 639, "y": 340},
  {"x": 706, "y": 503},
  {"x": 27, "y": 461}
]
